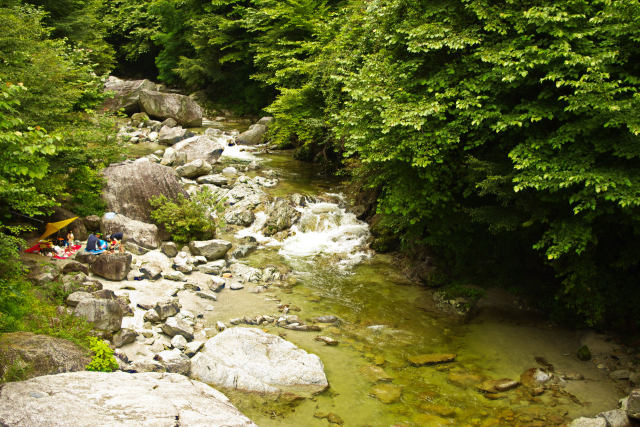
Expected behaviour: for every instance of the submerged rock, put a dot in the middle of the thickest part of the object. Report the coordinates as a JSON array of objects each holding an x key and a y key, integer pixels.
[
  {"x": 251, "y": 360},
  {"x": 117, "y": 398},
  {"x": 431, "y": 359},
  {"x": 386, "y": 393}
]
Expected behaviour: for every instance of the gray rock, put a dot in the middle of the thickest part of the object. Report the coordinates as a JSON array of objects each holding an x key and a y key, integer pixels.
[
  {"x": 39, "y": 355},
  {"x": 253, "y": 135},
  {"x": 281, "y": 215},
  {"x": 193, "y": 347},
  {"x": 167, "y": 308},
  {"x": 176, "y": 276},
  {"x": 126, "y": 93},
  {"x": 632, "y": 406},
  {"x": 170, "y": 249},
  {"x": 152, "y": 316},
  {"x": 239, "y": 215},
  {"x": 76, "y": 297},
  {"x": 139, "y": 118},
  {"x": 211, "y": 249},
  {"x": 92, "y": 222},
  {"x": 170, "y": 123},
  {"x": 179, "y": 342},
  {"x": 217, "y": 284},
  {"x": 236, "y": 286},
  {"x": 135, "y": 249},
  {"x": 85, "y": 257},
  {"x": 216, "y": 179},
  {"x": 616, "y": 418},
  {"x": 183, "y": 263},
  {"x": 206, "y": 295},
  {"x": 199, "y": 147},
  {"x": 214, "y": 267},
  {"x": 251, "y": 360},
  {"x": 43, "y": 273},
  {"x": 244, "y": 250},
  {"x": 151, "y": 271},
  {"x": 112, "y": 266},
  {"x": 266, "y": 121},
  {"x": 170, "y": 105},
  {"x": 588, "y": 422},
  {"x": 138, "y": 232},
  {"x": 123, "y": 337},
  {"x": 230, "y": 171},
  {"x": 74, "y": 266},
  {"x": 135, "y": 275},
  {"x": 105, "y": 314},
  {"x": 244, "y": 273},
  {"x": 177, "y": 326},
  {"x": 173, "y": 135},
  {"x": 194, "y": 169},
  {"x": 129, "y": 187},
  {"x": 117, "y": 398}
]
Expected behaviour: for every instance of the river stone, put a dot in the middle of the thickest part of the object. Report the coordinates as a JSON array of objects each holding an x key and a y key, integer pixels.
[
  {"x": 126, "y": 93},
  {"x": 137, "y": 232},
  {"x": 171, "y": 105},
  {"x": 633, "y": 404},
  {"x": 151, "y": 271},
  {"x": 176, "y": 276},
  {"x": 213, "y": 267},
  {"x": 193, "y": 347},
  {"x": 170, "y": 249},
  {"x": 588, "y": 422},
  {"x": 253, "y": 135},
  {"x": 211, "y": 249},
  {"x": 199, "y": 147},
  {"x": 463, "y": 379},
  {"x": 92, "y": 222},
  {"x": 172, "y": 135},
  {"x": 177, "y": 326},
  {"x": 41, "y": 274},
  {"x": 616, "y": 418},
  {"x": 375, "y": 374},
  {"x": 386, "y": 393},
  {"x": 194, "y": 169},
  {"x": 431, "y": 359},
  {"x": 139, "y": 118},
  {"x": 39, "y": 355},
  {"x": 216, "y": 179},
  {"x": 112, "y": 266},
  {"x": 74, "y": 299},
  {"x": 105, "y": 314},
  {"x": 496, "y": 386},
  {"x": 152, "y": 316},
  {"x": 179, "y": 342},
  {"x": 129, "y": 187},
  {"x": 251, "y": 360},
  {"x": 167, "y": 308},
  {"x": 239, "y": 215},
  {"x": 123, "y": 337},
  {"x": 534, "y": 377},
  {"x": 174, "y": 361},
  {"x": 74, "y": 266},
  {"x": 117, "y": 398},
  {"x": 281, "y": 214}
]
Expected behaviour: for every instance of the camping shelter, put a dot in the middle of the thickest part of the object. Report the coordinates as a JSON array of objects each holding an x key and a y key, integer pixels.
[{"x": 52, "y": 227}]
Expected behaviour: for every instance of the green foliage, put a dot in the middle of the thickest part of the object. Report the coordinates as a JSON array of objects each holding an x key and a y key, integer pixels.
[
  {"x": 13, "y": 284},
  {"x": 103, "y": 359},
  {"x": 189, "y": 219}
]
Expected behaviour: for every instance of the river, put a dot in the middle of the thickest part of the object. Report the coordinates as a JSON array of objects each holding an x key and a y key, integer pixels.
[{"x": 384, "y": 320}]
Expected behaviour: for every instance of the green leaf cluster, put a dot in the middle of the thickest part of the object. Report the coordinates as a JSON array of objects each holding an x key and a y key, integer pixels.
[
  {"x": 103, "y": 359},
  {"x": 188, "y": 219}
]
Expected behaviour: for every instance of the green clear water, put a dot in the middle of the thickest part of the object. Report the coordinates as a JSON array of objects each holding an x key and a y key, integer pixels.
[{"x": 375, "y": 293}]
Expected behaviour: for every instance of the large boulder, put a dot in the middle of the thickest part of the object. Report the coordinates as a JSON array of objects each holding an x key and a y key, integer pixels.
[
  {"x": 130, "y": 186},
  {"x": 174, "y": 361},
  {"x": 194, "y": 169},
  {"x": 112, "y": 266},
  {"x": 210, "y": 249},
  {"x": 126, "y": 93},
  {"x": 171, "y": 105},
  {"x": 251, "y": 360},
  {"x": 37, "y": 355},
  {"x": 281, "y": 215},
  {"x": 105, "y": 314},
  {"x": 117, "y": 398},
  {"x": 199, "y": 147},
  {"x": 253, "y": 135},
  {"x": 137, "y": 232}
]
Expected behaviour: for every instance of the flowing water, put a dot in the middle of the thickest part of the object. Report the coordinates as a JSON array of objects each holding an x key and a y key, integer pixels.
[{"x": 385, "y": 320}]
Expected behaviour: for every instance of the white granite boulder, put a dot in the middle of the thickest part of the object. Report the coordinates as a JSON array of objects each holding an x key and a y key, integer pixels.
[{"x": 249, "y": 359}]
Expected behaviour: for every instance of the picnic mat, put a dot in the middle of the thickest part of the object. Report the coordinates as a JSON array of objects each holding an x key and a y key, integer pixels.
[{"x": 72, "y": 250}]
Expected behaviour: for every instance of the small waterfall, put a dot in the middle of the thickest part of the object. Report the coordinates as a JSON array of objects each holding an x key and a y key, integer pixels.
[{"x": 327, "y": 229}]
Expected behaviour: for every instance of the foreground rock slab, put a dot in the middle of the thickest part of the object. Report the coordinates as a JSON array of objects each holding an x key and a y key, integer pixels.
[
  {"x": 249, "y": 359},
  {"x": 109, "y": 399}
]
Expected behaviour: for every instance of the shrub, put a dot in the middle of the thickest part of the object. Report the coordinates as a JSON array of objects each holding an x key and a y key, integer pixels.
[
  {"x": 103, "y": 360},
  {"x": 189, "y": 219}
]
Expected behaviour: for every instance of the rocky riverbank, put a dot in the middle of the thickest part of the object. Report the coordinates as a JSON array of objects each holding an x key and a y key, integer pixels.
[{"x": 200, "y": 313}]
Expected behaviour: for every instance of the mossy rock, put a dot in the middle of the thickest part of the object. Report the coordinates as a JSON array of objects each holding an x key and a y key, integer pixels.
[
  {"x": 26, "y": 355},
  {"x": 584, "y": 353}
]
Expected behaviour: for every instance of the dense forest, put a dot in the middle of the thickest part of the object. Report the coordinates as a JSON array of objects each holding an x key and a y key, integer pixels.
[{"x": 500, "y": 137}]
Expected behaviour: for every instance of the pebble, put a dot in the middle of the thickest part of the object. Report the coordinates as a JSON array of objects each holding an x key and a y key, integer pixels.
[{"x": 236, "y": 286}]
